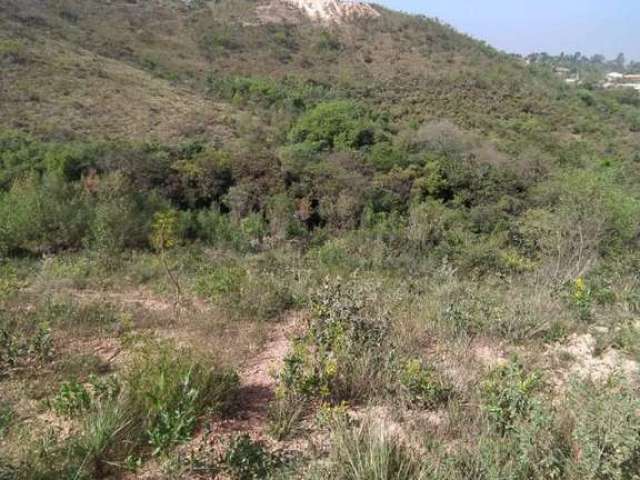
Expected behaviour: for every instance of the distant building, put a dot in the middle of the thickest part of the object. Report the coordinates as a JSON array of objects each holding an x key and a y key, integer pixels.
[
  {"x": 620, "y": 80},
  {"x": 566, "y": 75},
  {"x": 614, "y": 77}
]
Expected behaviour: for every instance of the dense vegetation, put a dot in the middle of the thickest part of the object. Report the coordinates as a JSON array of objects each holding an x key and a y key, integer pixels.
[{"x": 445, "y": 237}]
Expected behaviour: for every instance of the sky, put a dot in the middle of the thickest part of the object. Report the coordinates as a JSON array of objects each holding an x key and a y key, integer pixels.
[{"x": 524, "y": 26}]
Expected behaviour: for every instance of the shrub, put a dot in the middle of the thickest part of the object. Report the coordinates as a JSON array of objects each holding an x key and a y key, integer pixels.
[
  {"x": 509, "y": 396},
  {"x": 122, "y": 218},
  {"x": 72, "y": 399},
  {"x": 607, "y": 431},
  {"x": 534, "y": 450},
  {"x": 202, "y": 179},
  {"x": 218, "y": 229},
  {"x": 70, "y": 161},
  {"x": 338, "y": 124},
  {"x": 592, "y": 215},
  {"x": 348, "y": 354},
  {"x": 20, "y": 154},
  {"x": 245, "y": 459},
  {"x": 40, "y": 215},
  {"x": 422, "y": 384},
  {"x": 344, "y": 354}
]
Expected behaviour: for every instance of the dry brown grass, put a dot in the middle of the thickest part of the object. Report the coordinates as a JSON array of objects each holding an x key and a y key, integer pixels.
[{"x": 65, "y": 90}]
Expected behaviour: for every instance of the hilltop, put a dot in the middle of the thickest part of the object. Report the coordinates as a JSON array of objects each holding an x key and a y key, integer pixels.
[{"x": 309, "y": 239}]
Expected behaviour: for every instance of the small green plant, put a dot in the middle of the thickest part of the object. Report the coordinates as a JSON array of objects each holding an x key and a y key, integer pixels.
[
  {"x": 509, "y": 395},
  {"x": 164, "y": 236},
  {"x": 246, "y": 459},
  {"x": 105, "y": 388},
  {"x": 582, "y": 298},
  {"x": 6, "y": 417},
  {"x": 285, "y": 414},
  {"x": 422, "y": 384},
  {"x": 169, "y": 389},
  {"x": 24, "y": 345},
  {"x": 72, "y": 399},
  {"x": 175, "y": 425}
]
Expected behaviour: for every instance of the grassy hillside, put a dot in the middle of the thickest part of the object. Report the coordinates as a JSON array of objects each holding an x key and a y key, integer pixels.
[{"x": 239, "y": 243}]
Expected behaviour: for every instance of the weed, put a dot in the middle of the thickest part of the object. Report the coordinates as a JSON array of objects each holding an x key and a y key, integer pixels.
[
  {"x": 607, "y": 431},
  {"x": 21, "y": 345},
  {"x": 582, "y": 298},
  {"x": 369, "y": 452},
  {"x": 72, "y": 399},
  {"x": 422, "y": 384},
  {"x": 285, "y": 414},
  {"x": 168, "y": 390},
  {"x": 509, "y": 395},
  {"x": 6, "y": 417},
  {"x": 245, "y": 459}
]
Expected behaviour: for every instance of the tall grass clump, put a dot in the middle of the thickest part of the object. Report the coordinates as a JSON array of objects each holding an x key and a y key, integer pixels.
[{"x": 369, "y": 451}]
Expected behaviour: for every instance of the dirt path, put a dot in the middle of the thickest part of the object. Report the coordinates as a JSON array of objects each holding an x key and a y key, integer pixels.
[{"x": 257, "y": 382}]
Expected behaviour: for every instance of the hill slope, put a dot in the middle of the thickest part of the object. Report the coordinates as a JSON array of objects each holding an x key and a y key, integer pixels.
[{"x": 414, "y": 67}]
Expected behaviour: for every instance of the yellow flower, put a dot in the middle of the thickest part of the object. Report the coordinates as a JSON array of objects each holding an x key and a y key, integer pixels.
[
  {"x": 331, "y": 368},
  {"x": 580, "y": 288}
]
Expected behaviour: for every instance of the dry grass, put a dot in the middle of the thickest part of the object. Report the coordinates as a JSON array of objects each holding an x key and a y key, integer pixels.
[{"x": 66, "y": 90}]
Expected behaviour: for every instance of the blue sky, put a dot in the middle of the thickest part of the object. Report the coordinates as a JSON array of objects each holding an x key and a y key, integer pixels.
[{"x": 523, "y": 26}]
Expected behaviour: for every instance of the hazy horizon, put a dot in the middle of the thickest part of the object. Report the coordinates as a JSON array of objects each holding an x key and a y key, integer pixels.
[{"x": 587, "y": 26}]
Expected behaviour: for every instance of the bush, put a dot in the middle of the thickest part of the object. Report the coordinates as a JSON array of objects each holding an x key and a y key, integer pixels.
[
  {"x": 348, "y": 354},
  {"x": 20, "y": 154},
  {"x": 422, "y": 384},
  {"x": 245, "y": 459},
  {"x": 593, "y": 216},
  {"x": 122, "y": 218},
  {"x": 71, "y": 161},
  {"x": 202, "y": 179},
  {"x": 345, "y": 353},
  {"x": 338, "y": 124},
  {"x": 607, "y": 431},
  {"x": 509, "y": 396},
  {"x": 42, "y": 215}
]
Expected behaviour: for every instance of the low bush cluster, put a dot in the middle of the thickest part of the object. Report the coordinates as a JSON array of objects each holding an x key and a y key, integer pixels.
[{"x": 348, "y": 354}]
